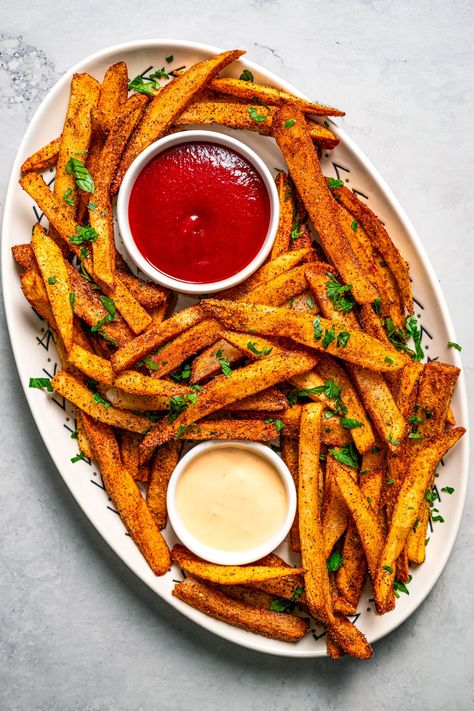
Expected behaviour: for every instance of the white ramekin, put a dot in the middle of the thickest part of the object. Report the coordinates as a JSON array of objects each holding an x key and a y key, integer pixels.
[
  {"x": 215, "y": 555},
  {"x": 137, "y": 166}
]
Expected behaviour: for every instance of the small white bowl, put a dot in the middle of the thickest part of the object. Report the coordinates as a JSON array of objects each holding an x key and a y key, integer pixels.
[
  {"x": 124, "y": 196},
  {"x": 216, "y": 555}
]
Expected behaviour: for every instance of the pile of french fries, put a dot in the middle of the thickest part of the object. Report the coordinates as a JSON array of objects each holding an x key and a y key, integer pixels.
[{"x": 312, "y": 348}]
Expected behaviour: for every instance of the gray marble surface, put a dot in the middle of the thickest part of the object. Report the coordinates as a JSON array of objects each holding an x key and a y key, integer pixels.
[{"x": 77, "y": 630}]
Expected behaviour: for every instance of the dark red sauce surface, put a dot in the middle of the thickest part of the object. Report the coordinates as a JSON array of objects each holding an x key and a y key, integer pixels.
[{"x": 199, "y": 212}]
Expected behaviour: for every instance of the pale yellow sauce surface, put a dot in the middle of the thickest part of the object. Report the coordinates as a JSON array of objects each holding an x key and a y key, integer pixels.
[{"x": 231, "y": 499}]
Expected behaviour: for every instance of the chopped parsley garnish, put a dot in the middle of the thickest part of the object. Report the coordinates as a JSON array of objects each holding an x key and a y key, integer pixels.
[
  {"x": 159, "y": 74},
  {"x": 178, "y": 403},
  {"x": 318, "y": 331},
  {"x": 340, "y": 294},
  {"x": 82, "y": 177},
  {"x": 253, "y": 111},
  {"x": 438, "y": 518},
  {"x": 376, "y": 304},
  {"x": 183, "y": 374},
  {"x": 329, "y": 389},
  {"x": 52, "y": 280},
  {"x": 347, "y": 455},
  {"x": 97, "y": 397},
  {"x": 41, "y": 383},
  {"x": 428, "y": 413},
  {"x": 289, "y": 123},
  {"x": 148, "y": 361},
  {"x": 452, "y": 344},
  {"x": 72, "y": 299},
  {"x": 448, "y": 489},
  {"x": 253, "y": 349},
  {"x": 354, "y": 225},
  {"x": 389, "y": 482},
  {"x": 349, "y": 424},
  {"x": 415, "y": 435},
  {"x": 295, "y": 225},
  {"x": 78, "y": 457},
  {"x": 334, "y": 183},
  {"x": 84, "y": 254},
  {"x": 387, "y": 568},
  {"x": 329, "y": 337},
  {"x": 246, "y": 75},
  {"x": 67, "y": 197},
  {"x": 97, "y": 328},
  {"x": 395, "y": 442},
  {"x": 334, "y": 562},
  {"x": 169, "y": 59},
  {"x": 431, "y": 496},
  {"x": 225, "y": 363},
  {"x": 74, "y": 434},
  {"x": 84, "y": 234},
  {"x": 388, "y": 360},
  {"x": 310, "y": 302},
  {"x": 141, "y": 86},
  {"x": 342, "y": 338},
  {"x": 399, "y": 338},
  {"x": 285, "y": 605},
  {"x": 92, "y": 206},
  {"x": 108, "y": 305},
  {"x": 279, "y": 425},
  {"x": 399, "y": 587}
]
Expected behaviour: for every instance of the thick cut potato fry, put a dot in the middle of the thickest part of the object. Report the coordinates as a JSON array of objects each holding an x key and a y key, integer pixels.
[
  {"x": 91, "y": 159},
  {"x": 146, "y": 403},
  {"x": 168, "y": 104},
  {"x": 162, "y": 467},
  {"x": 24, "y": 256},
  {"x": 334, "y": 517},
  {"x": 224, "y": 390},
  {"x": 318, "y": 275},
  {"x": 302, "y": 328},
  {"x": 126, "y": 497},
  {"x": 380, "y": 239},
  {"x": 156, "y": 336},
  {"x": 76, "y": 134},
  {"x": 416, "y": 483},
  {"x": 305, "y": 170},
  {"x": 212, "y": 602},
  {"x": 55, "y": 277},
  {"x": 46, "y": 157},
  {"x": 82, "y": 439},
  {"x": 251, "y": 596},
  {"x": 131, "y": 381},
  {"x": 184, "y": 346},
  {"x": 129, "y": 442},
  {"x": 280, "y": 289},
  {"x": 407, "y": 388},
  {"x": 269, "y": 95},
  {"x": 238, "y": 116},
  {"x": 73, "y": 390},
  {"x": 92, "y": 365},
  {"x": 34, "y": 291},
  {"x": 230, "y": 429},
  {"x": 270, "y": 400},
  {"x": 207, "y": 364},
  {"x": 287, "y": 212},
  {"x": 379, "y": 403},
  {"x": 289, "y": 454},
  {"x": 150, "y": 296},
  {"x": 113, "y": 93},
  {"x": 228, "y": 574}
]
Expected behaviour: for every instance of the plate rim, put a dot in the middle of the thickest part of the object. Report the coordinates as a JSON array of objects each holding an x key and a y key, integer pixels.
[{"x": 253, "y": 641}]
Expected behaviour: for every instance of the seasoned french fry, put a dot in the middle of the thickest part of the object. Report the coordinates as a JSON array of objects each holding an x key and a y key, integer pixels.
[
  {"x": 113, "y": 93},
  {"x": 82, "y": 439},
  {"x": 230, "y": 429},
  {"x": 46, "y": 157},
  {"x": 413, "y": 489},
  {"x": 131, "y": 381},
  {"x": 146, "y": 403},
  {"x": 269, "y": 400},
  {"x": 184, "y": 346},
  {"x": 302, "y": 159},
  {"x": 228, "y": 574},
  {"x": 73, "y": 390},
  {"x": 276, "y": 625},
  {"x": 162, "y": 466},
  {"x": 334, "y": 518},
  {"x": 92, "y": 365},
  {"x": 55, "y": 277},
  {"x": 268, "y": 94},
  {"x": 302, "y": 328},
  {"x": 207, "y": 364},
  {"x": 225, "y": 390},
  {"x": 285, "y": 221},
  {"x": 129, "y": 442},
  {"x": 238, "y": 116},
  {"x": 24, "y": 256},
  {"x": 169, "y": 103},
  {"x": 150, "y": 296},
  {"x": 126, "y": 497},
  {"x": 289, "y": 454}
]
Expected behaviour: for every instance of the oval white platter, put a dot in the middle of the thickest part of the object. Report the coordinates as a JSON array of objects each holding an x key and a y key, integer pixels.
[{"x": 36, "y": 356}]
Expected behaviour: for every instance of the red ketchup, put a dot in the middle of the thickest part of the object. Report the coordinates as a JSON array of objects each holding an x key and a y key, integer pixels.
[{"x": 199, "y": 212}]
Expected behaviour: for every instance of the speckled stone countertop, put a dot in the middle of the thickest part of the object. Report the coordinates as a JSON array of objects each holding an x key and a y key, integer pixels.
[{"x": 77, "y": 629}]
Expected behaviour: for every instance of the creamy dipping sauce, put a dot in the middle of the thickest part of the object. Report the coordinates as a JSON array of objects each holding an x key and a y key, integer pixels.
[{"x": 231, "y": 498}]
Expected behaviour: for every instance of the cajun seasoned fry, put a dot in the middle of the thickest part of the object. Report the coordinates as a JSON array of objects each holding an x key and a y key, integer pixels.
[
  {"x": 275, "y": 625},
  {"x": 285, "y": 222},
  {"x": 46, "y": 157},
  {"x": 92, "y": 365},
  {"x": 113, "y": 93},
  {"x": 146, "y": 403},
  {"x": 126, "y": 497},
  {"x": 289, "y": 454},
  {"x": 162, "y": 466},
  {"x": 334, "y": 517}
]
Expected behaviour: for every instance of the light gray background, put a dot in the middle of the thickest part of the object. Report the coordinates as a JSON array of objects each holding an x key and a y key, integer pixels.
[{"x": 77, "y": 630}]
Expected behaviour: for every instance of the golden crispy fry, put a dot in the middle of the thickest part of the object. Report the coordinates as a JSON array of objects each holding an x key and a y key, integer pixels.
[
  {"x": 92, "y": 365},
  {"x": 207, "y": 364},
  {"x": 364, "y": 515},
  {"x": 150, "y": 296},
  {"x": 318, "y": 275},
  {"x": 113, "y": 93},
  {"x": 289, "y": 454},
  {"x": 334, "y": 517},
  {"x": 135, "y": 316},
  {"x": 34, "y": 291},
  {"x": 82, "y": 439},
  {"x": 228, "y": 574},
  {"x": 76, "y": 133},
  {"x": 126, "y": 497},
  {"x": 280, "y": 289},
  {"x": 73, "y": 390},
  {"x": 238, "y": 116},
  {"x": 155, "y": 337},
  {"x": 184, "y": 346},
  {"x": 381, "y": 239},
  {"x": 417, "y": 481},
  {"x": 170, "y": 102},
  {"x": 275, "y": 625},
  {"x": 92, "y": 162},
  {"x": 379, "y": 403},
  {"x": 268, "y": 94},
  {"x": 251, "y": 596},
  {"x": 129, "y": 442},
  {"x": 302, "y": 328},
  {"x": 270, "y": 400},
  {"x": 131, "y": 381},
  {"x": 46, "y": 157},
  {"x": 287, "y": 210},
  {"x": 224, "y": 390},
  {"x": 161, "y": 469},
  {"x": 146, "y": 403},
  {"x": 55, "y": 277},
  {"x": 230, "y": 429},
  {"x": 407, "y": 388},
  {"x": 24, "y": 256},
  {"x": 303, "y": 303},
  {"x": 302, "y": 159}
]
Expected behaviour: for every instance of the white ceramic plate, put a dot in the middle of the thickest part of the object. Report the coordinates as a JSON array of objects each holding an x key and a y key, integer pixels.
[{"x": 36, "y": 356}]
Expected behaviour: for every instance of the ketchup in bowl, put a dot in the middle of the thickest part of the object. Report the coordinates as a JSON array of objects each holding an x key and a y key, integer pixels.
[{"x": 199, "y": 212}]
